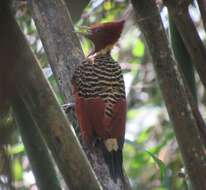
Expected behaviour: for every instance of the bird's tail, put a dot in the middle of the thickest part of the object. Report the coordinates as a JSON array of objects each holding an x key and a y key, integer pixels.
[{"x": 114, "y": 160}]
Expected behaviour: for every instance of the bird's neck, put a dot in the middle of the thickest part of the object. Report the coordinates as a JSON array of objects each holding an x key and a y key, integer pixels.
[
  {"x": 99, "y": 52},
  {"x": 105, "y": 51},
  {"x": 103, "y": 54}
]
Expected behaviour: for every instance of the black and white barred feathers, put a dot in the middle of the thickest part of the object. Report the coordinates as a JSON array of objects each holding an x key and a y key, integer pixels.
[{"x": 101, "y": 77}]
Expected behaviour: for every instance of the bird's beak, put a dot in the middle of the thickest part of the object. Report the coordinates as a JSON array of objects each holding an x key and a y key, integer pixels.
[{"x": 83, "y": 31}]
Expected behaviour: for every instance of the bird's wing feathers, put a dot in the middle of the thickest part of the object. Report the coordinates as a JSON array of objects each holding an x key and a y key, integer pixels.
[{"x": 93, "y": 121}]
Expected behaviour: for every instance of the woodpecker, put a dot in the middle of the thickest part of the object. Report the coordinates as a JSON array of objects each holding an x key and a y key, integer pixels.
[{"x": 99, "y": 92}]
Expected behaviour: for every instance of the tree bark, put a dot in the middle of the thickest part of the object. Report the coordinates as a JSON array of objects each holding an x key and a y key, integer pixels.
[
  {"x": 41, "y": 163},
  {"x": 64, "y": 52},
  {"x": 55, "y": 28},
  {"x": 176, "y": 95},
  {"x": 28, "y": 82},
  {"x": 76, "y": 8},
  {"x": 182, "y": 57},
  {"x": 38, "y": 154},
  {"x": 202, "y": 7},
  {"x": 178, "y": 10}
]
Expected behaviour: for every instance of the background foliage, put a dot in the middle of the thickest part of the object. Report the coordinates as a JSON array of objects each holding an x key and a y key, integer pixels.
[{"x": 151, "y": 156}]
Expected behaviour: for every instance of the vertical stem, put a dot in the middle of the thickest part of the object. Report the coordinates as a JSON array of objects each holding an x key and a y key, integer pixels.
[
  {"x": 41, "y": 163},
  {"x": 176, "y": 95},
  {"x": 178, "y": 10},
  {"x": 182, "y": 57}
]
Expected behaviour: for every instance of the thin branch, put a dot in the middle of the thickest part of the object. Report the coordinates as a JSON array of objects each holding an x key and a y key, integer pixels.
[{"x": 177, "y": 97}]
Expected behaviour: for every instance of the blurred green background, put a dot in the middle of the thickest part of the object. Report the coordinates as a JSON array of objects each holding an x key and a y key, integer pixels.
[{"x": 151, "y": 156}]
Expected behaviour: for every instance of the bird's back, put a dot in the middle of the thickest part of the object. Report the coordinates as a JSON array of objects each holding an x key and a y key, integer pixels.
[
  {"x": 102, "y": 78},
  {"x": 101, "y": 105}
]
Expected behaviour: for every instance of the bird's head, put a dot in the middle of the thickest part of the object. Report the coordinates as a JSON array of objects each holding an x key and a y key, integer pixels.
[{"x": 104, "y": 36}]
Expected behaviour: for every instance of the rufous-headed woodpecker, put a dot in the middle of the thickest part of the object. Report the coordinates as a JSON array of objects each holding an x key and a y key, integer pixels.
[{"x": 99, "y": 92}]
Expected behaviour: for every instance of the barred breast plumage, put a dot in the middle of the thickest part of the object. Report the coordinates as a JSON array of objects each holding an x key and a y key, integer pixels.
[{"x": 101, "y": 78}]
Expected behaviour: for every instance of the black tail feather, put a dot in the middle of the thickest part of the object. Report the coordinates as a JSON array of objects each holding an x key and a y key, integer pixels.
[{"x": 114, "y": 161}]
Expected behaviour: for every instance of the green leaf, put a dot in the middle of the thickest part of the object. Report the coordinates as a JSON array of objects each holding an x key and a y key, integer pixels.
[
  {"x": 143, "y": 136},
  {"x": 17, "y": 170},
  {"x": 138, "y": 49},
  {"x": 131, "y": 114},
  {"x": 86, "y": 45},
  {"x": 16, "y": 149},
  {"x": 161, "y": 165},
  {"x": 168, "y": 136},
  {"x": 160, "y": 188},
  {"x": 107, "y": 5}
]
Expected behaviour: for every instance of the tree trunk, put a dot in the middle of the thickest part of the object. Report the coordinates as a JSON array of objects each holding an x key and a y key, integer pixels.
[
  {"x": 181, "y": 107},
  {"x": 27, "y": 81},
  {"x": 41, "y": 163},
  {"x": 62, "y": 46}
]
